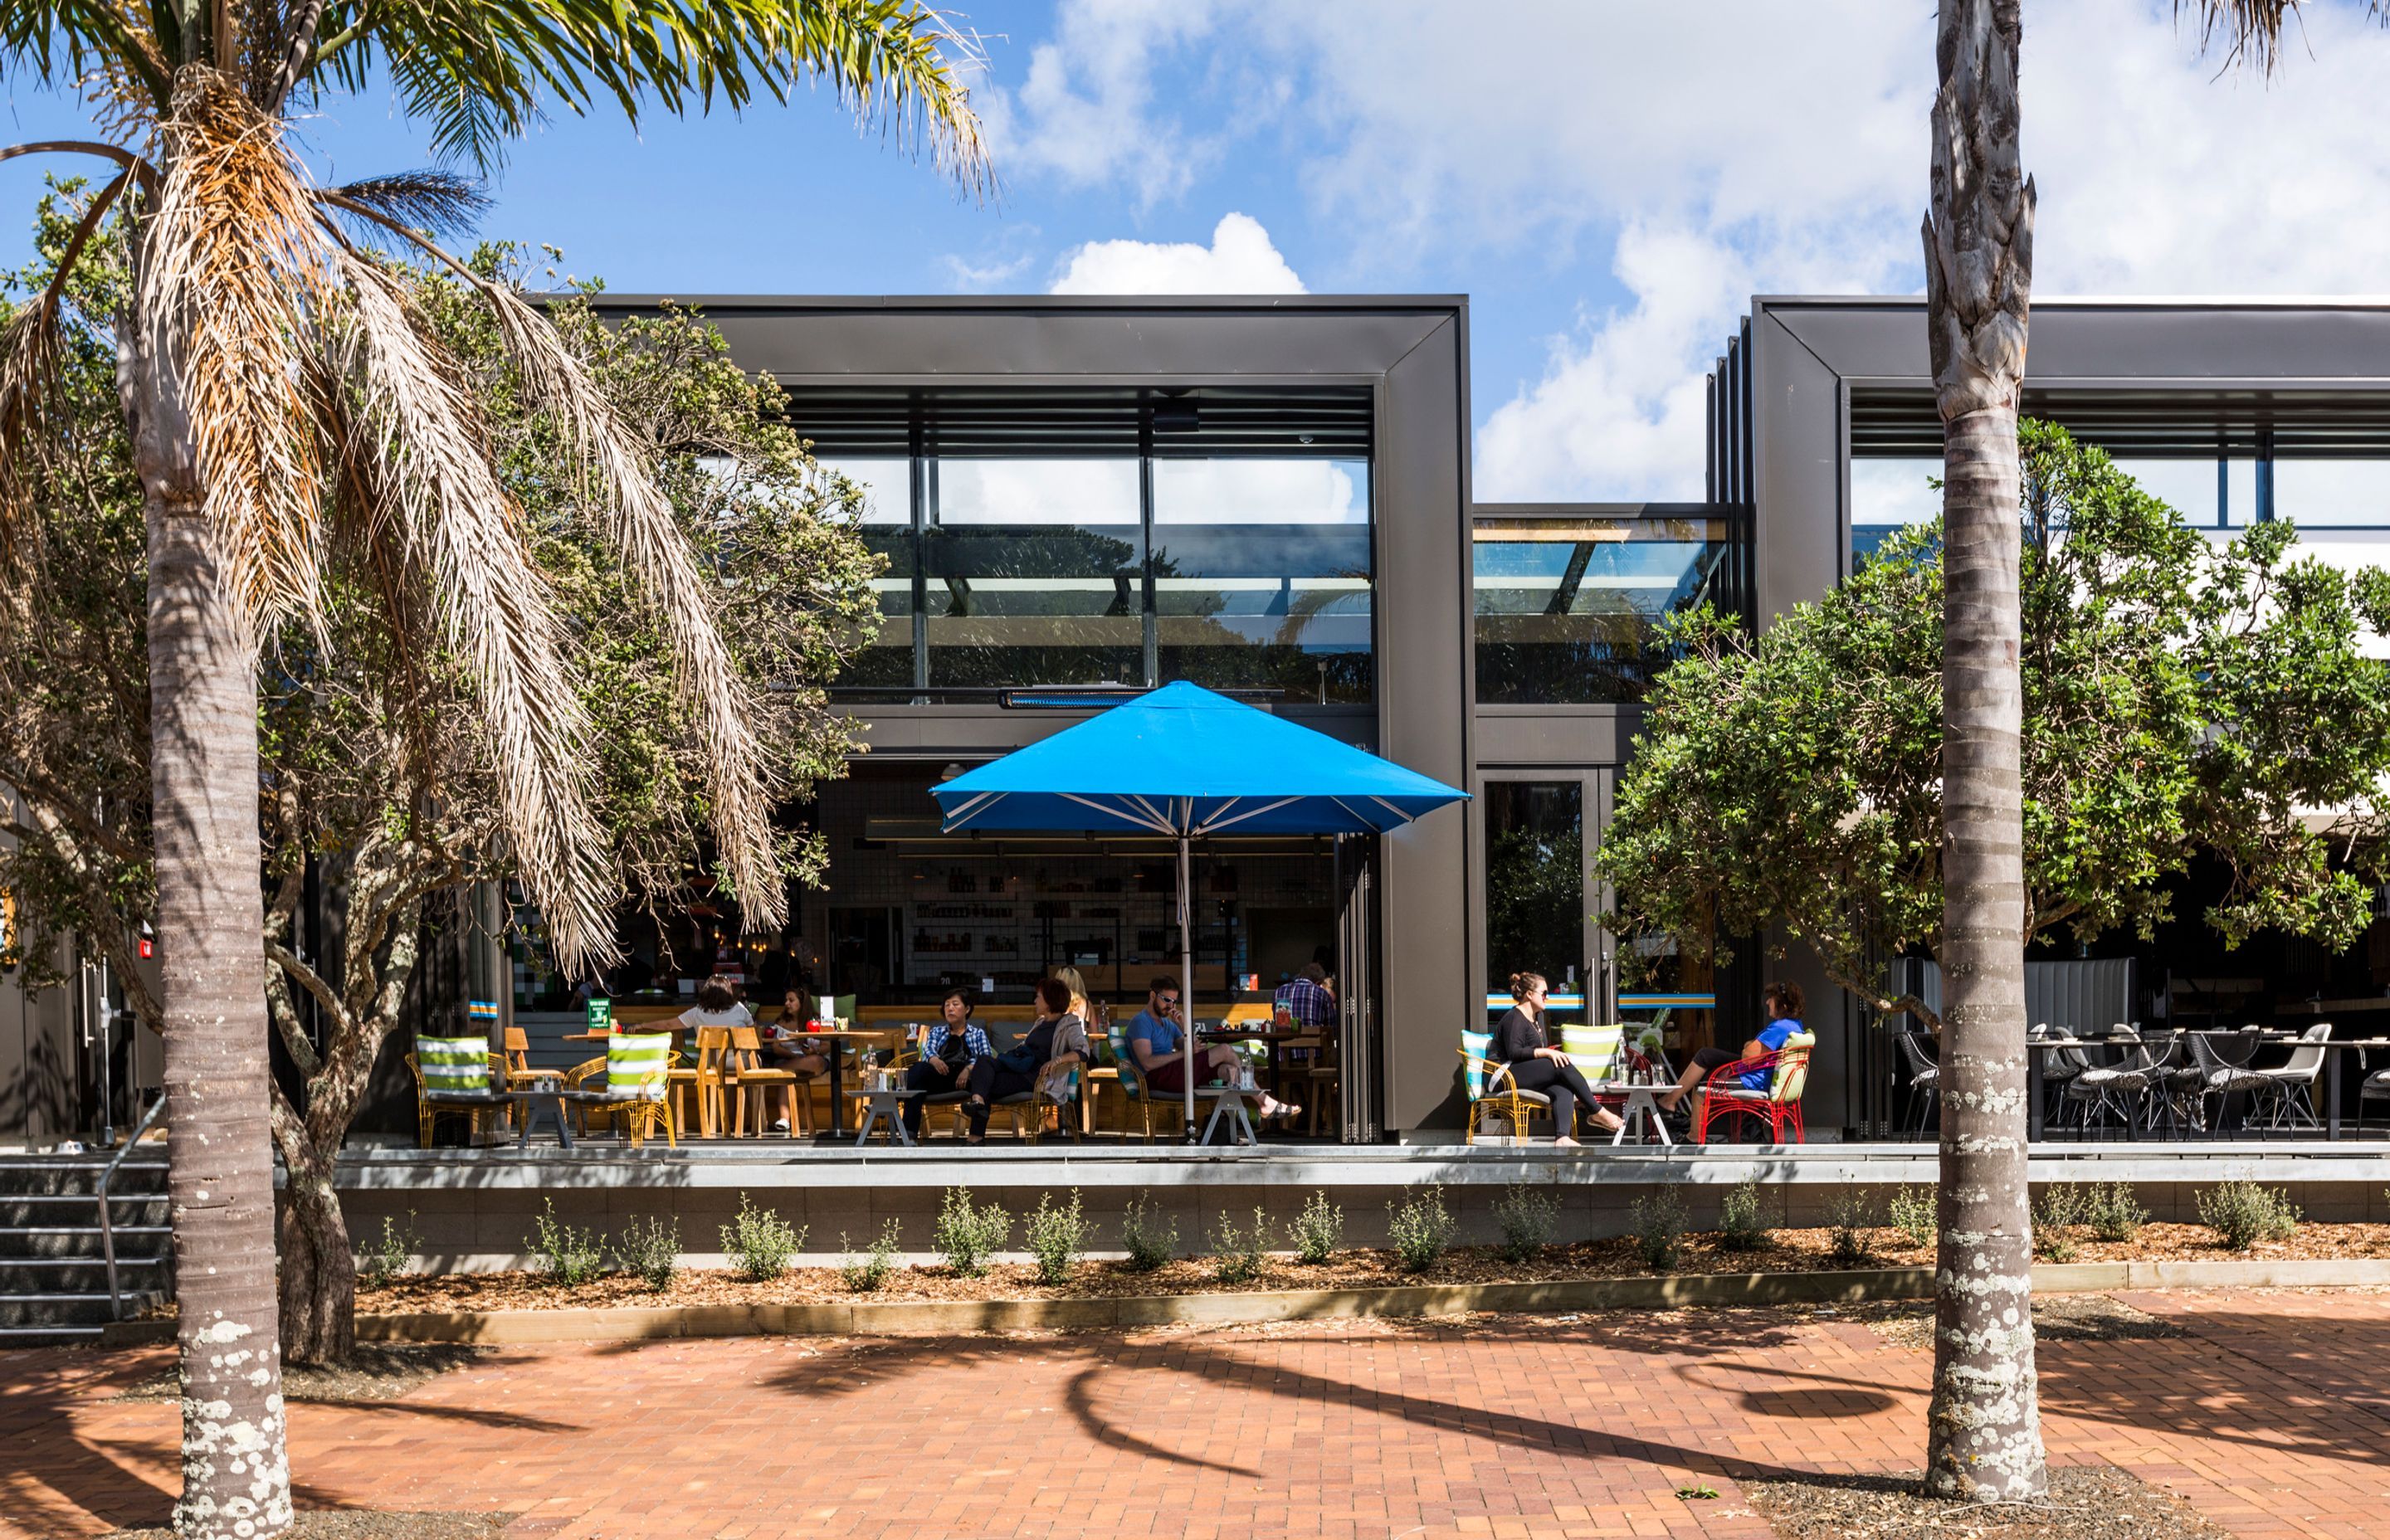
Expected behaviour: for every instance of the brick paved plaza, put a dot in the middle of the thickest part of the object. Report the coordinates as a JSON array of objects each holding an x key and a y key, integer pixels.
[{"x": 2272, "y": 1415}]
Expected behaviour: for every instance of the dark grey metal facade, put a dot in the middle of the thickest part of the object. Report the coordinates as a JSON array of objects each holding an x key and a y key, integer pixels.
[{"x": 1411, "y": 355}]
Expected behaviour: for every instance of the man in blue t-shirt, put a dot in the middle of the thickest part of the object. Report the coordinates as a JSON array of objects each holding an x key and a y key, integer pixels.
[
  {"x": 1155, "y": 1036},
  {"x": 1782, "y": 1002}
]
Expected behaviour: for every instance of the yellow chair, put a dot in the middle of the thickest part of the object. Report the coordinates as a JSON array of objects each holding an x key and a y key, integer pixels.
[
  {"x": 427, "y": 1113},
  {"x": 1490, "y": 1087}
]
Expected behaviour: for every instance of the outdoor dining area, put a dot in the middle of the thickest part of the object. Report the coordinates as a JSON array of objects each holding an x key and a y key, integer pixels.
[
  {"x": 1180, "y": 764},
  {"x": 2161, "y": 1083}
]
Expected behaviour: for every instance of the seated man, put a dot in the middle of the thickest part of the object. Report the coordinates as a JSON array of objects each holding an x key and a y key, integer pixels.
[
  {"x": 1154, "y": 1034},
  {"x": 1782, "y": 1002},
  {"x": 1307, "y": 998}
]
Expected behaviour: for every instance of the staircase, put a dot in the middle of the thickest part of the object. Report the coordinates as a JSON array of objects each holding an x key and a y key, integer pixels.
[{"x": 53, "y": 1272}]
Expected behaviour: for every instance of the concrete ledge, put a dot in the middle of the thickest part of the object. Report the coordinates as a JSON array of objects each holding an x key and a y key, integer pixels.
[{"x": 934, "y": 1318}]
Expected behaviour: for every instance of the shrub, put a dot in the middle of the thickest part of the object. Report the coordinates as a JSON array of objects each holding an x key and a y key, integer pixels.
[
  {"x": 1317, "y": 1231},
  {"x": 650, "y": 1255},
  {"x": 967, "y": 1236},
  {"x": 386, "y": 1257},
  {"x": 1912, "y": 1214},
  {"x": 568, "y": 1255},
  {"x": 1057, "y": 1234},
  {"x": 1525, "y": 1215},
  {"x": 1659, "y": 1221},
  {"x": 2114, "y": 1213},
  {"x": 1421, "y": 1230},
  {"x": 2243, "y": 1214},
  {"x": 2054, "y": 1219},
  {"x": 866, "y": 1274},
  {"x": 1740, "y": 1226},
  {"x": 1149, "y": 1238},
  {"x": 1238, "y": 1256},
  {"x": 1849, "y": 1216},
  {"x": 759, "y": 1242}
]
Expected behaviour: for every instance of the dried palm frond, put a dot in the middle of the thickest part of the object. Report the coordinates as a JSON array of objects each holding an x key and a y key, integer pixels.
[
  {"x": 430, "y": 460},
  {"x": 235, "y": 260},
  {"x": 645, "y": 532},
  {"x": 439, "y": 201}
]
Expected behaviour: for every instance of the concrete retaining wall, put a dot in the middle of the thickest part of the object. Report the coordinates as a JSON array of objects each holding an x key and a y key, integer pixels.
[{"x": 473, "y": 1211}]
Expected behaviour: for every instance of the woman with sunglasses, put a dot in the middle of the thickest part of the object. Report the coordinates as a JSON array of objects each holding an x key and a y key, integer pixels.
[{"x": 1524, "y": 1041}]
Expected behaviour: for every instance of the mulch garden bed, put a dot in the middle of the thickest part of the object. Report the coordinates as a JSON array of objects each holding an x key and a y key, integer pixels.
[
  {"x": 2085, "y": 1503},
  {"x": 1788, "y": 1250},
  {"x": 379, "y": 1372},
  {"x": 343, "y": 1523}
]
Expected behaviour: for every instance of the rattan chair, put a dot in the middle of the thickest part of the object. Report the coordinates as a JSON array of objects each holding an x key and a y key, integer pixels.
[
  {"x": 1492, "y": 1088},
  {"x": 1726, "y": 1096}
]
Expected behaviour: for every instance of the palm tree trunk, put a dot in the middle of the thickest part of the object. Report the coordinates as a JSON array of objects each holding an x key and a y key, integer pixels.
[
  {"x": 1984, "y": 1429},
  {"x": 220, "y": 1169}
]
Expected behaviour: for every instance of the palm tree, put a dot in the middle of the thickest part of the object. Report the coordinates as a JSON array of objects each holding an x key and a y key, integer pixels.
[
  {"x": 1983, "y": 1437},
  {"x": 282, "y": 396}
]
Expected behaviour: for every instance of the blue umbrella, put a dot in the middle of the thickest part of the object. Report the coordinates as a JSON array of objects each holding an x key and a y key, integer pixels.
[{"x": 1182, "y": 762}]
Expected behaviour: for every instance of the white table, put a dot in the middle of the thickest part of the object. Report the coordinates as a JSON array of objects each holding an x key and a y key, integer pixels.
[
  {"x": 1642, "y": 1103},
  {"x": 885, "y": 1103}
]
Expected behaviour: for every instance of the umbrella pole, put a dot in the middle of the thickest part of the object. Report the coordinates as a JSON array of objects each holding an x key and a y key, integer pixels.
[{"x": 1186, "y": 984}]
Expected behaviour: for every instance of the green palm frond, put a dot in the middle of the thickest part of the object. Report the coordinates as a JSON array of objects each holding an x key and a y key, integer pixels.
[{"x": 484, "y": 72}]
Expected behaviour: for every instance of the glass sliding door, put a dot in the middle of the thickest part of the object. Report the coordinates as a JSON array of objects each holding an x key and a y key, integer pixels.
[{"x": 1535, "y": 876}]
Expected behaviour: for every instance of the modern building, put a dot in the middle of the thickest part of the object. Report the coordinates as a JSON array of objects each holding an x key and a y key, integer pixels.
[{"x": 1079, "y": 498}]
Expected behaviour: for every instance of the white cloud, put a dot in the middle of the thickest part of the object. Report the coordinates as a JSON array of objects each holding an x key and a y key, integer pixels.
[
  {"x": 1241, "y": 260},
  {"x": 1703, "y": 153}
]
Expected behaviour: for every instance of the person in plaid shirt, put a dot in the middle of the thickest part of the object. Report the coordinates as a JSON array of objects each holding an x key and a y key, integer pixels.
[
  {"x": 946, "y": 1053},
  {"x": 1307, "y": 998}
]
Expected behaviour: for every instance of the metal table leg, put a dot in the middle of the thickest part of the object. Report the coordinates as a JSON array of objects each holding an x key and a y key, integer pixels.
[
  {"x": 2033, "y": 1089},
  {"x": 2331, "y": 1093},
  {"x": 837, "y": 1086}
]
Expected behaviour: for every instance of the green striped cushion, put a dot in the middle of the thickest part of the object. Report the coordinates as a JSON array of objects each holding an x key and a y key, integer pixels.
[
  {"x": 453, "y": 1063},
  {"x": 1594, "y": 1049},
  {"x": 635, "y": 1063}
]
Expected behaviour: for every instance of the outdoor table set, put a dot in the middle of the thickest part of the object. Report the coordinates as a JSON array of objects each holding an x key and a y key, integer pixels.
[{"x": 2229, "y": 1048}]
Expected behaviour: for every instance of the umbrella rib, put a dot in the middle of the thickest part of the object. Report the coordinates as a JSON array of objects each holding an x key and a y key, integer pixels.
[
  {"x": 1111, "y": 812},
  {"x": 959, "y": 816},
  {"x": 1160, "y": 819},
  {"x": 1217, "y": 822},
  {"x": 1392, "y": 808}
]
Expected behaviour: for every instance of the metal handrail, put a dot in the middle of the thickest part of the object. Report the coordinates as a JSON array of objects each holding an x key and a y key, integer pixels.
[{"x": 106, "y": 1227}]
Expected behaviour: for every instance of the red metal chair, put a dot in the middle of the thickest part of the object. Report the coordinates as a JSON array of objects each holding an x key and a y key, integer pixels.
[{"x": 1724, "y": 1095}]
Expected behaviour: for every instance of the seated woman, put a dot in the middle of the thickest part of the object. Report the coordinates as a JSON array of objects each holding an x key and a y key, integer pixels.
[
  {"x": 1154, "y": 1034},
  {"x": 1782, "y": 1002},
  {"x": 1056, "y": 1042},
  {"x": 1523, "y": 1040},
  {"x": 948, "y": 1054},
  {"x": 785, "y": 1048}
]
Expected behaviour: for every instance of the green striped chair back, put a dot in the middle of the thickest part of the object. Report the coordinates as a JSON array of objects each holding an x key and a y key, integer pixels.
[
  {"x": 454, "y": 1064},
  {"x": 636, "y": 1063},
  {"x": 1593, "y": 1049},
  {"x": 1124, "y": 1060}
]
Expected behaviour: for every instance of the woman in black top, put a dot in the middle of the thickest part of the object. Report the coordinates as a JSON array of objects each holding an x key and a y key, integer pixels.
[
  {"x": 1058, "y": 1041},
  {"x": 1537, "y": 1064}
]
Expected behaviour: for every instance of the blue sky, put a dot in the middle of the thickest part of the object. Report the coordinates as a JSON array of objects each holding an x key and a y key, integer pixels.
[{"x": 1608, "y": 181}]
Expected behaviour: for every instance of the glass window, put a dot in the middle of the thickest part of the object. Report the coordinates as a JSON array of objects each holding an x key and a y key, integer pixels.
[
  {"x": 1568, "y": 609},
  {"x": 2188, "y": 487},
  {"x": 1036, "y": 573},
  {"x": 1261, "y": 575},
  {"x": 887, "y": 486},
  {"x": 1895, "y": 491},
  {"x": 887, "y": 522},
  {"x": 2314, "y": 494},
  {"x": 1535, "y": 881}
]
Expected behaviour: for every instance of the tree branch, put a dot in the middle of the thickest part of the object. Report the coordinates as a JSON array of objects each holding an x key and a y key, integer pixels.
[
  {"x": 40, "y": 790},
  {"x": 141, "y": 169},
  {"x": 286, "y": 1010},
  {"x": 299, "y": 53}
]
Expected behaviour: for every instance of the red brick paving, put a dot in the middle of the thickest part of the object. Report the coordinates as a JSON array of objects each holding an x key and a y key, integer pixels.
[{"x": 2272, "y": 1417}]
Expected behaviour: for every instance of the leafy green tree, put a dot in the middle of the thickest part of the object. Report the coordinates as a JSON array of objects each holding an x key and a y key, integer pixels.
[
  {"x": 379, "y": 777},
  {"x": 2181, "y": 696},
  {"x": 284, "y": 401}
]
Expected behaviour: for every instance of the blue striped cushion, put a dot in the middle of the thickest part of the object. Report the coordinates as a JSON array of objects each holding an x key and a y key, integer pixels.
[
  {"x": 635, "y": 1063},
  {"x": 454, "y": 1064}
]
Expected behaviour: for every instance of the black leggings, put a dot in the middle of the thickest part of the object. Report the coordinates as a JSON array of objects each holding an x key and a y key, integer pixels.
[
  {"x": 923, "y": 1077},
  {"x": 992, "y": 1082},
  {"x": 1563, "y": 1083}
]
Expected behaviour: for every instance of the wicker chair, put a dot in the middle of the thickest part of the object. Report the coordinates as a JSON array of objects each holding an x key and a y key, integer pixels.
[
  {"x": 1724, "y": 1094},
  {"x": 1490, "y": 1087},
  {"x": 432, "y": 1106}
]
